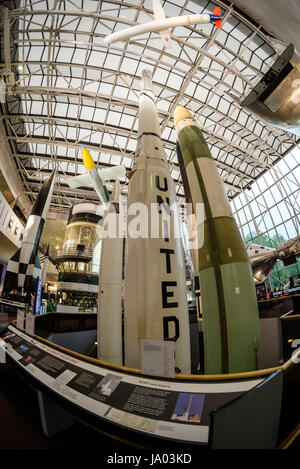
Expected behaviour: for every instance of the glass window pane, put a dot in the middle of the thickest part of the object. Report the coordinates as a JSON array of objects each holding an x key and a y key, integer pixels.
[{"x": 285, "y": 215}]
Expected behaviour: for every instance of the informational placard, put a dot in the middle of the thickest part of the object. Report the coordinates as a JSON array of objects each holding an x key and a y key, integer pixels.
[
  {"x": 30, "y": 324},
  {"x": 63, "y": 379},
  {"x": 166, "y": 408},
  {"x": 158, "y": 358},
  {"x": 20, "y": 319}
]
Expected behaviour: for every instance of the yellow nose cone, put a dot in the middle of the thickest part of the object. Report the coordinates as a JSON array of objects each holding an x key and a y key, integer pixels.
[
  {"x": 87, "y": 159},
  {"x": 181, "y": 113}
]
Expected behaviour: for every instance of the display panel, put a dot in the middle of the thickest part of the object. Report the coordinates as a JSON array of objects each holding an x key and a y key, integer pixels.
[{"x": 177, "y": 410}]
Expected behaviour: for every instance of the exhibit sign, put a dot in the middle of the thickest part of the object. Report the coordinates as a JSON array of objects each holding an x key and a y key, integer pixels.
[
  {"x": 158, "y": 358},
  {"x": 162, "y": 407}
]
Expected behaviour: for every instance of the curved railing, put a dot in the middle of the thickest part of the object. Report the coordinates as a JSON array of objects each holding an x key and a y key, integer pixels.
[{"x": 74, "y": 252}]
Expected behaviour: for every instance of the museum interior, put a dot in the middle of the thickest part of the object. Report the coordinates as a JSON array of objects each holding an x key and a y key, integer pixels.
[{"x": 149, "y": 227}]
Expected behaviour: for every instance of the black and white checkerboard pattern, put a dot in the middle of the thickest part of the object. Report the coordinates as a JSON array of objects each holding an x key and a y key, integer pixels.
[{"x": 24, "y": 269}]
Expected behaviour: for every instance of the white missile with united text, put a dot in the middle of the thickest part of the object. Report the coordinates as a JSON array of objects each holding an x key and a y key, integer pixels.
[
  {"x": 95, "y": 176},
  {"x": 24, "y": 269},
  {"x": 161, "y": 25},
  {"x": 110, "y": 286},
  {"x": 155, "y": 294}
]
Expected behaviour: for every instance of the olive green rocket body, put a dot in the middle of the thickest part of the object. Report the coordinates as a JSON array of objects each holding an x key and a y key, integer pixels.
[{"x": 228, "y": 298}]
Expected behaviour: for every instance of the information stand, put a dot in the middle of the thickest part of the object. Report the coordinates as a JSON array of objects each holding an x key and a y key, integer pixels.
[{"x": 166, "y": 408}]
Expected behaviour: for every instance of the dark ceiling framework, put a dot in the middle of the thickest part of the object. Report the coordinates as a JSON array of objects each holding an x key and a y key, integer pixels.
[{"x": 67, "y": 89}]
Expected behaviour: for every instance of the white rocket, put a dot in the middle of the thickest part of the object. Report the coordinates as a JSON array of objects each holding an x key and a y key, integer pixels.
[
  {"x": 95, "y": 176},
  {"x": 110, "y": 286},
  {"x": 161, "y": 24},
  {"x": 155, "y": 295},
  {"x": 45, "y": 267},
  {"x": 2, "y": 90}
]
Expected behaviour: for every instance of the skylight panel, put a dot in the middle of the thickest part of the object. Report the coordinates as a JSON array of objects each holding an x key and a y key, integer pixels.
[
  {"x": 104, "y": 158},
  {"x": 109, "y": 75},
  {"x": 126, "y": 121},
  {"x": 99, "y": 115},
  {"x": 115, "y": 160}
]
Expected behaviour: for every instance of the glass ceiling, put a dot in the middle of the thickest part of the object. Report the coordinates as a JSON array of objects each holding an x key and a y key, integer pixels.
[{"x": 69, "y": 89}]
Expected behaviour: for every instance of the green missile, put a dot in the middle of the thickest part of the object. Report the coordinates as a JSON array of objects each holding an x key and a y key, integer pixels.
[{"x": 229, "y": 306}]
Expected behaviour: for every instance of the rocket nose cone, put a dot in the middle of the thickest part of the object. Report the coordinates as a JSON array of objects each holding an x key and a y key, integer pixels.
[
  {"x": 87, "y": 159},
  {"x": 44, "y": 196},
  {"x": 146, "y": 73},
  {"x": 146, "y": 80},
  {"x": 181, "y": 113}
]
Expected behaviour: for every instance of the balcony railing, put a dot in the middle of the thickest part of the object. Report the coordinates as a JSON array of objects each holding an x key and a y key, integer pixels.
[{"x": 74, "y": 253}]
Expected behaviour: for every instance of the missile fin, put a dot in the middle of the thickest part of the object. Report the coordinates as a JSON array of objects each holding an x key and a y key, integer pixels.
[
  {"x": 11, "y": 281},
  {"x": 217, "y": 12},
  {"x": 16, "y": 256},
  {"x": 112, "y": 173},
  {"x": 11, "y": 276},
  {"x": 79, "y": 181},
  {"x": 218, "y": 24},
  {"x": 165, "y": 35},
  {"x": 159, "y": 14},
  {"x": 158, "y": 10}
]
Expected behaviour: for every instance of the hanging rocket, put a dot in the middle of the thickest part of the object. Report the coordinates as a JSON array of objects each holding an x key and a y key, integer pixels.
[
  {"x": 110, "y": 286},
  {"x": 162, "y": 25},
  {"x": 155, "y": 285},
  {"x": 96, "y": 177},
  {"x": 229, "y": 305},
  {"x": 24, "y": 269}
]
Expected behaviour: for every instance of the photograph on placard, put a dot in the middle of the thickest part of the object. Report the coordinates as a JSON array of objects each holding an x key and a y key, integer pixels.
[
  {"x": 108, "y": 384},
  {"x": 189, "y": 407}
]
